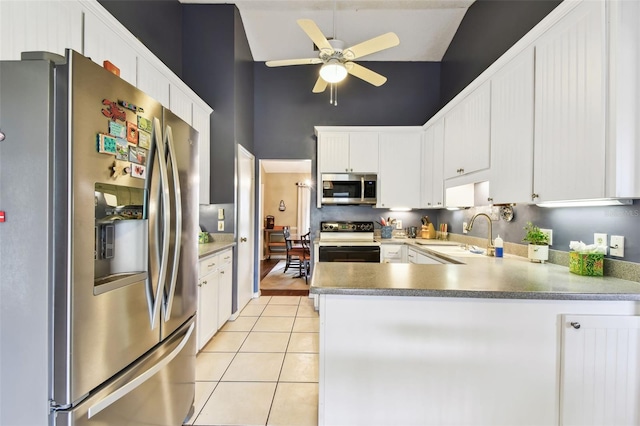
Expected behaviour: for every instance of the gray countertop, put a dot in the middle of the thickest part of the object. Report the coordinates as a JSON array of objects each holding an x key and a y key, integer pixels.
[
  {"x": 478, "y": 276},
  {"x": 208, "y": 249}
]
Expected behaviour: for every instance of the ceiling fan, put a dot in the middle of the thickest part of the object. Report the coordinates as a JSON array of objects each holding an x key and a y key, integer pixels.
[{"x": 336, "y": 60}]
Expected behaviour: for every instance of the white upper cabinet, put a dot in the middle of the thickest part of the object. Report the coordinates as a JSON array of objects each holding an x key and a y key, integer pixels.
[
  {"x": 467, "y": 134},
  {"x": 333, "y": 152},
  {"x": 151, "y": 81},
  {"x": 623, "y": 156},
  {"x": 201, "y": 122},
  {"x": 49, "y": 25},
  {"x": 570, "y": 107},
  {"x": 399, "y": 175},
  {"x": 103, "y": 43},
  {"x": 512, "y": 104},
  {"x": 180, "y": 104},
  {"x": 348, "y": 152},
  {"x": 431, "y": 179},
  {"x": 363, "y": 152}
]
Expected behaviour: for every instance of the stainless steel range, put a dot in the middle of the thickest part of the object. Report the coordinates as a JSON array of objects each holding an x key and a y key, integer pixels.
[{"x": 348, "y": 242}]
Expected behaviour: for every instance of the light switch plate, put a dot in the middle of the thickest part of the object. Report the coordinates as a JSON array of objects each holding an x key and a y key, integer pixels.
[
  {"x": 617, "y": 246},
  {"x": 398, "y": 224},
  {"x": 220, "y": 214},
  {"x": 221, "y": 225},
  {"x": 464, "y": 227},
  {"x": 549, "y": 232},
  {"x": 601, "y": 240}
]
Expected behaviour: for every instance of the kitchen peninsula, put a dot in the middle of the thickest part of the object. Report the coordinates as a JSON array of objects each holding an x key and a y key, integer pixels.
[{"x": 497, "y": 341}]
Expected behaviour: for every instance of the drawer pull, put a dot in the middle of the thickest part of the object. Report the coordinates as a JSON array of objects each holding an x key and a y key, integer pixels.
[{"x": 575, "y": 325}]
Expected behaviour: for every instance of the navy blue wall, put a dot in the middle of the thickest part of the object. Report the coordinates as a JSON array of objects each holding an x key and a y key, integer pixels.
[
  {"x": 218, "y": 66},
  {"x": 489, "y": 28},
  {"x": 286, "y": 112}
]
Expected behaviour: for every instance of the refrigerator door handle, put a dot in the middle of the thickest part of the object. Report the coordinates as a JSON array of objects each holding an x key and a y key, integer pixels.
[
  {"x": 139, "y": 380},
  {"x": 171, "y": 158},
  {"x": 166, "y": 221}
]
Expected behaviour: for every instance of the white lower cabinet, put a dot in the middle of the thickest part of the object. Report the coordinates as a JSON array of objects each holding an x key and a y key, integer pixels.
[
  {"x": 214, "y": 295},
  {"x": 414, "y": 256},
  {"x": 225, "y": 287},
  {"x": 393, "y": 253},
  {"x": 599, "y": 371},
  {"x": 468, "y": 361}
]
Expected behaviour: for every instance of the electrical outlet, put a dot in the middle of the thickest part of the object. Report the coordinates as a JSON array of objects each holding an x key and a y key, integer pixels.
[
  {"x": 549, "y": 233},
  {"x": 221, "y": 225},
  {"x": 464, "y": 227},
  {"x": 601, "y": 240},
  {"x": 617, "y": 246},
  {"x": 398, "y": 224},
  {"x": 220, "y": 214}
]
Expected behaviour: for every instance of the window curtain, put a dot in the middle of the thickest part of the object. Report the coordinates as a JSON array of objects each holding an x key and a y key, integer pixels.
[{"x": 304, "y": 208}]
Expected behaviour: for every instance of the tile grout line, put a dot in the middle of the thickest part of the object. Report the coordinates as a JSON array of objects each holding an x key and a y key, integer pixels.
[{"x": 273, "y": 398}]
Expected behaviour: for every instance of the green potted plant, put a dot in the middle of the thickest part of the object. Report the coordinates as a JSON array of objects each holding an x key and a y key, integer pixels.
[{"x": 538, "y": 243}]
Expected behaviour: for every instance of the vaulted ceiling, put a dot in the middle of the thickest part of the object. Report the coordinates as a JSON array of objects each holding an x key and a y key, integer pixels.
[{"x": 425, "y": 27}]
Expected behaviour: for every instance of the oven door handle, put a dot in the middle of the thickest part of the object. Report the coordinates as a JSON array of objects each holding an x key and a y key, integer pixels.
[{"x": 361, "y": 188}]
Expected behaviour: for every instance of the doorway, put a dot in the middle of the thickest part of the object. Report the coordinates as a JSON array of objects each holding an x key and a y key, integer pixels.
[{"x": 284, "y": 197}]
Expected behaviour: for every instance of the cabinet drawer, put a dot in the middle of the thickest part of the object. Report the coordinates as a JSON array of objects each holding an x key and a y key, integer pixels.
[
  {"x": 225, "y": 258},
  {"x": 209, "y": 264},
  {"x": 394, "y": 252}
]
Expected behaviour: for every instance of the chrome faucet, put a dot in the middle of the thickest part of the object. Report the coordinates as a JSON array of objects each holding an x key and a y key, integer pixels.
[{"x": 491, "y": 250}]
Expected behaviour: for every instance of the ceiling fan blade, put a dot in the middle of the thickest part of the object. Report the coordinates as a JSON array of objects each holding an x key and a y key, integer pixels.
[
  {"x": 320, "y": 85},
  {"x": 365, "y": 74},
  {"x": 373, "y": 45},
  {"x": 286, "y": 62},
  {"x": 314, "y": 33}
]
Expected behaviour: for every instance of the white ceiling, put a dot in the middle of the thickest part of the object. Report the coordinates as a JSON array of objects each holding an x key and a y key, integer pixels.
[{"x": 425, "y": 27}]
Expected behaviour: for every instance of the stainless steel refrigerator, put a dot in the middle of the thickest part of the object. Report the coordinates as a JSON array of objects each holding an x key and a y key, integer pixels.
[{"x": 98, "y": 249}]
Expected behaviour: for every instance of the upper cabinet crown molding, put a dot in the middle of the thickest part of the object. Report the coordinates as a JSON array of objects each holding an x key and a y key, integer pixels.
[{"x": 94, "y": 7}]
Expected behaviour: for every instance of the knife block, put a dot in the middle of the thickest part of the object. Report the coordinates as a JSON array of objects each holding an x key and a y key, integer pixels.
[{"x": 428, "y": 231}]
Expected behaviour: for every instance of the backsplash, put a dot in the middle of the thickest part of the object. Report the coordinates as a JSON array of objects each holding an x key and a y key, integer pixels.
[
  {"x": 568, "y": 224},
  {"x": 209, "y": 218}
]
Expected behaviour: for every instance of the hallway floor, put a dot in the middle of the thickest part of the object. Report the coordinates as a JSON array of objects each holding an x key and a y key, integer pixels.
[{"x": 262, "y": 368}]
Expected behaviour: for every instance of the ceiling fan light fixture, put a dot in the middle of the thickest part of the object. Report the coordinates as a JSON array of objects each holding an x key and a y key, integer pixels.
[{"x": 333, "y": 72}]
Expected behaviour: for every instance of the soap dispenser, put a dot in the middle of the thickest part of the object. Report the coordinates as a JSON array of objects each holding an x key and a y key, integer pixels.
[{"x": 498, "y": 245}]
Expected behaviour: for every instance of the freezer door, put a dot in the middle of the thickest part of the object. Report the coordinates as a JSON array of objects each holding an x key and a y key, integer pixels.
[
  {"x": 179, "y": 300},
  {"x": 157, "y": 390},
  {"x": 104, "y": 314}
]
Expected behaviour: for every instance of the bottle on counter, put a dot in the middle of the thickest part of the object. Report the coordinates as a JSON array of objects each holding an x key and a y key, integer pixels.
[{"x": 499, "y": 246}]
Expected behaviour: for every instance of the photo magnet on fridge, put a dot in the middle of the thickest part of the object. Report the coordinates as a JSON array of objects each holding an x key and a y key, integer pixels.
[
  {"x": 117, "y": 130},
  {"x": 132, "y": 133},
  {"x": 144, "y": 139},
  {"x": 106, "y": 144},
  {"x": 138, "y": 171},
  {"x": 122, "y": 149},
  {"x": 144, "y": 124}
]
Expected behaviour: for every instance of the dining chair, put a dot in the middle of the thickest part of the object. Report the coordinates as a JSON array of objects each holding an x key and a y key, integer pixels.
[{"x": 292, "y": 250}]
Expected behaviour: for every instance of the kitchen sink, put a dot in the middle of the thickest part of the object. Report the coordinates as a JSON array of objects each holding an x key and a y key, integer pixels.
[{"x": 457, "y": 250}]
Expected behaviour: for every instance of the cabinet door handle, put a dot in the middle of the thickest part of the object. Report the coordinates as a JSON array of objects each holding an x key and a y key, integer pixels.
[
  {"x": 575, "y": 324},
  {"x": 490, "y": 199},
  {"x": 243, "y": 239},
  {"x": 204, "y": 282},
  {"x": 534, "y": 196}
]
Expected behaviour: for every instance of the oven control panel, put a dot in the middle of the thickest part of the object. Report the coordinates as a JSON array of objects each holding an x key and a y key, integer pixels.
[{"x": 346, "y": 226}]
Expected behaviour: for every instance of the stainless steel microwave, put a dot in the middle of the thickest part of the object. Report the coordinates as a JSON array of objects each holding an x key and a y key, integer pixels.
[{"x": 349, "y": 188}]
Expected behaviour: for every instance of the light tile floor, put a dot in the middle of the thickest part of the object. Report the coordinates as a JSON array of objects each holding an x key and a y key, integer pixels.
[{"x": 262, "y": 368}]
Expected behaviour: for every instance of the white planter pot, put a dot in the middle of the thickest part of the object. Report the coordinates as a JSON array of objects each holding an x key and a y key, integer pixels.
[{"x": 538, "y": 253}]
